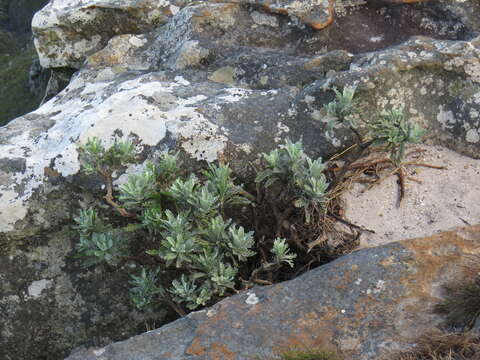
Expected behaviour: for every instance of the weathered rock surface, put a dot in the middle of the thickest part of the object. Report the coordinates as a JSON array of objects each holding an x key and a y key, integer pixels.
[
  {"x": 363, "y": 306},
  {"x": 217, "y": 81},
  {"x": 66, "y": 30},
  {"x": 443, "y": 198}
]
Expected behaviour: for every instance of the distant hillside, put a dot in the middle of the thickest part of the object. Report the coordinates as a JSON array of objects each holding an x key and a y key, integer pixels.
[{"x": 17, "y": 55}]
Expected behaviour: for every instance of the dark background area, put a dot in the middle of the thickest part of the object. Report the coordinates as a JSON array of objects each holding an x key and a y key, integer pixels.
[{"x": 20, "y": 91}]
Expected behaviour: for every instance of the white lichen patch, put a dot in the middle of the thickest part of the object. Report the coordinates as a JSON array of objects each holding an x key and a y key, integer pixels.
[
  {"x": 446, "y": 118},
  {"x": 472, "y": 136},
  {"x": 252, "y": 299},
  {"x": 36, "y": 288},
  {"x": 101, "y": 110},
  {"x": 98, "y": 352},
  {"x": 211, "y": 312},
  {"x": 235, "y": 94},
  {"x": 261, "y": 18},
  {"x": 379, "y": 287},
  {"x": 62, "y": 29},
  {"x": 282, "y": 129},
  {"x": 376, "y": 39}
]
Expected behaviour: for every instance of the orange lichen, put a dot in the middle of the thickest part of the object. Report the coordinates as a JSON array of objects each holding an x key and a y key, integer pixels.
[
  {"x": 330, "y": 19},
  {"x": 196, "y": 348},
  {"x": 220, "y": 352},
  {"x": 437, "y": 253},
  {"x": 388, "y": 261}
]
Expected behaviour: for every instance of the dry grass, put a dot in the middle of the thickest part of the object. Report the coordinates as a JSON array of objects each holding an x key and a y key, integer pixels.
[
  {"x": 461, "y": 306},
  {"x": 444, "y": 346}
]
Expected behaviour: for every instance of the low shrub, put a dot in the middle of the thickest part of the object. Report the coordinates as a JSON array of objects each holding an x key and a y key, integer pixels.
[{"x": 198, "y": 237}]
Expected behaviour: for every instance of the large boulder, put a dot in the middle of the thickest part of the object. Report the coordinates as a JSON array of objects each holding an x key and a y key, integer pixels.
[
  {"x": 363, "y": 306},
  {"x": 68, "y": 30},
  {"x": 215, "y": 81}
]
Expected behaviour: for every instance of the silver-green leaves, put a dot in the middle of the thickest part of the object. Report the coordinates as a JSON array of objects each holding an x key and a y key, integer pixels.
[
  {"x": 394, "y": 131},
  {"x": 185, "y": 221},
  {"x": 144, "y": 289},
  {"x": 94, "y": 157},
  {"x": 282, "y": 252},
  {"x": 138, "y": 190},
  {"x": 344, "y": 103},
  {"x": 390, "y": 129},
  {"x": 293, "y": 168}
]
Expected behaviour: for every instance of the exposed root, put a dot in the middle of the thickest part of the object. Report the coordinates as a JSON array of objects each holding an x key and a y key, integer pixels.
[
  {"x": 372, "y": 168},
  {"x": 424, "y": 165}
]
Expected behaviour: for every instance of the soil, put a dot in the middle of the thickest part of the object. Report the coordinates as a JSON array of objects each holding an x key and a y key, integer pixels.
[{"x": 444, "y": 199}]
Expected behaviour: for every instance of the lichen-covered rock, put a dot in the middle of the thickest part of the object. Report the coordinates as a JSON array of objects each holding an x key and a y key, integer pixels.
[
  {"x": 436, "y": 82},
  {"x": 68, "y": 30},
  {"x": 363, "y": 306},
  {"x": 216, "y": 81},
  {"x": 317, "y": 13}
]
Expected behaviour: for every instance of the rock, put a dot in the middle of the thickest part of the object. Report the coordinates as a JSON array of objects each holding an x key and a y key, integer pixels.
[
  {"x": 364, "y": 306},
  {"x": 312, "y": 12},
  {"x": 58, "y": 80},
  {"x": 443, "y": 199},
  {"x": 436, "y": 82},
  {"x": 67, "y": 31},
  {"x": 215, "y": 81}
]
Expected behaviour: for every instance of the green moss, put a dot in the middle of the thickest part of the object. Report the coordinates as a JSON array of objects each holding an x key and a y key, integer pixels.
[{"x": 15, "y": 96}]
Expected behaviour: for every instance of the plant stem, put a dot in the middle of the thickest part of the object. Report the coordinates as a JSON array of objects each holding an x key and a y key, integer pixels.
[{"x": 107, "y": 176}]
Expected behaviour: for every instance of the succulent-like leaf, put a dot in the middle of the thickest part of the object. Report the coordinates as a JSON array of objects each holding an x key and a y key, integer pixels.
[
  {"x": 178, "y": 248},
  {"x": 282, "y": 252},
  {"x": 144, "y": 289},
  {"x": 99, "y": 248},
  {"x": 216, "y": 230},
  {"x": 223, "y": 278},
  {"x": 89, "y": 222},
  {"x": 138, "y": 190},
  {"x": 240, "y": 242},
  {"x": 169, "y": 167},
  {"x": 183, "y": 191},
  {"x": 220, "y": 182},
  {"x": 393, "y": 130},
  {"x": 343, "y": 105}
]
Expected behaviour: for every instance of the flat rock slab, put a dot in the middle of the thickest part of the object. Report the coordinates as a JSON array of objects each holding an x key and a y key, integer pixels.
[
  {"x": 363, "y": 305},
  {"x": 443, "y": 199}
]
